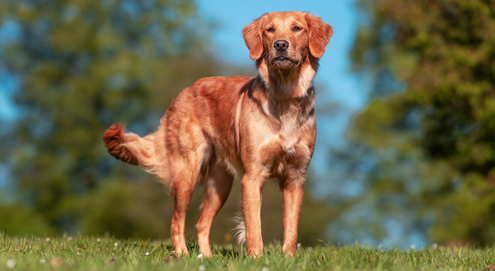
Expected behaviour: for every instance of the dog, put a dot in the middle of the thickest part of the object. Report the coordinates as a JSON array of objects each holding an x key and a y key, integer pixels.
[{"x": 263, "y": 127}]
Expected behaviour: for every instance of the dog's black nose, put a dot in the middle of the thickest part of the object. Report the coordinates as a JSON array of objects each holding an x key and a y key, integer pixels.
[{"x": 281, "y": 45}]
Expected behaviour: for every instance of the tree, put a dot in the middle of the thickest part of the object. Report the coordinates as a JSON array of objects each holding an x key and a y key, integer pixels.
[
  {"x": 429, "y": 131},
  {"x": 83, "y": 65}
]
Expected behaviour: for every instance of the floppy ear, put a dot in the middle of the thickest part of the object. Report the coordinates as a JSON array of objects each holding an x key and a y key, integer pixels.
[
  {"x": 319, "y": 35},
  {"x": 252, "y": 37}
]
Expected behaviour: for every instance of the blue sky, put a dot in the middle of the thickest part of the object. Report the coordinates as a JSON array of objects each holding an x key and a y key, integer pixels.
[
  {"x": 232, "y": 16},
  {"x": 338, "y": 84}
]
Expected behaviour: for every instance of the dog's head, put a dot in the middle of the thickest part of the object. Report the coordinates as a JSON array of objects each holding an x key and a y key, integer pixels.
[{"x": 285, "y": 39}]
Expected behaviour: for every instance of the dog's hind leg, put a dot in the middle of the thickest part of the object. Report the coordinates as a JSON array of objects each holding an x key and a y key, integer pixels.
[
  {"x": 186, "y": 170},
  {"x": 218, "y": 185},
  {"x": 182, "y": 189}
]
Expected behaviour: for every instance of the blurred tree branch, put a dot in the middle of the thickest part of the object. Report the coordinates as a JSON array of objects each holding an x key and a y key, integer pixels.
[{"x": 429, "y": 131}]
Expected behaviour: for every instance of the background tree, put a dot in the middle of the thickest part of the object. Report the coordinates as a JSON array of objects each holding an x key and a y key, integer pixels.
[
  {"x": 80, "y": 66},
  {"x": 427, "y": 139}
]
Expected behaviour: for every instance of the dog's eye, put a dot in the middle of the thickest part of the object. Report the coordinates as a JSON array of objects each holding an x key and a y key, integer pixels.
[
  {"x": 296, "y": 28},
  {"x": 271, "y": 29}
]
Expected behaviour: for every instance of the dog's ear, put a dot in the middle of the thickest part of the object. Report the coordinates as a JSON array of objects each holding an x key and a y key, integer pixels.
[
  {"x": 319, "y": 35},
  {"x": 252, "y": 37}
]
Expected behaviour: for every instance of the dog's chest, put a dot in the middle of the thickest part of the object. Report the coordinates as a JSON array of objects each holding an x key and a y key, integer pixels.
[
  {"x": 282, "y": 144},
  {"x": 290, "y": 132},
  {"x": 286, "y": 129}
]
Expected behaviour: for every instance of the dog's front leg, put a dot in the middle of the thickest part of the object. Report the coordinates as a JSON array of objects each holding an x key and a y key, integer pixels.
[
  {"x": 251, "y": 204},
  {"x": 292, "y": 193}
]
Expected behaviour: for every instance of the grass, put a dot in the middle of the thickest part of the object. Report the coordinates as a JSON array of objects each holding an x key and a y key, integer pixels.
[{"x": 90, "y": 253}]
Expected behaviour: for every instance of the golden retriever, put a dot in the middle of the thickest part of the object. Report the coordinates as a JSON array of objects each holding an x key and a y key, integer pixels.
[{"x": 261, "y": 127}]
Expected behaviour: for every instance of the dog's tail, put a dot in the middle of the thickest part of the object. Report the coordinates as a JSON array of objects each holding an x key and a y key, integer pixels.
[
  {"x": 130, "y": 147},
  {"x": 240, "y": 229}
]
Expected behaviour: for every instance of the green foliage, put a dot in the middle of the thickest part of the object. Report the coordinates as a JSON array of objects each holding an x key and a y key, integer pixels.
[
  {"x": 123, "y": 208},
  {"x": 430, "y": 130},
  {"x": 87, "y": 253},
  {"x": 20, "y": 220},
  {"x": 81, "y": 66}
]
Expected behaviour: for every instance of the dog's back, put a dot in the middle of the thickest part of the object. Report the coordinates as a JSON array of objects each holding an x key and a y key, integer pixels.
[{"x": 201, "y": 119}]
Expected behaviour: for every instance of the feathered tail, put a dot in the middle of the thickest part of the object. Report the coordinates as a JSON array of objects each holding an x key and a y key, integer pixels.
[{"x": 130, "y": 147}]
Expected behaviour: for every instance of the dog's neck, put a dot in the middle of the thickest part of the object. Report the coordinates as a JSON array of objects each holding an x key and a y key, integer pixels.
[{"x": 293, "y": 82}]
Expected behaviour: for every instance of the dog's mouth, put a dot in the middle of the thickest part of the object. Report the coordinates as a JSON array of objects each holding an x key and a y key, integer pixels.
[{"x": 284, "y": 61}]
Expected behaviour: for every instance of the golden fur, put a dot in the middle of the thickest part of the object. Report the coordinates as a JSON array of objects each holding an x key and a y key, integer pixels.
[{"x": 261, "y": 127}]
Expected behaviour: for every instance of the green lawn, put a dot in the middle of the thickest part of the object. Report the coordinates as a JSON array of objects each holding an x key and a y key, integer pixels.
[{"x": 90, "y": 253}]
